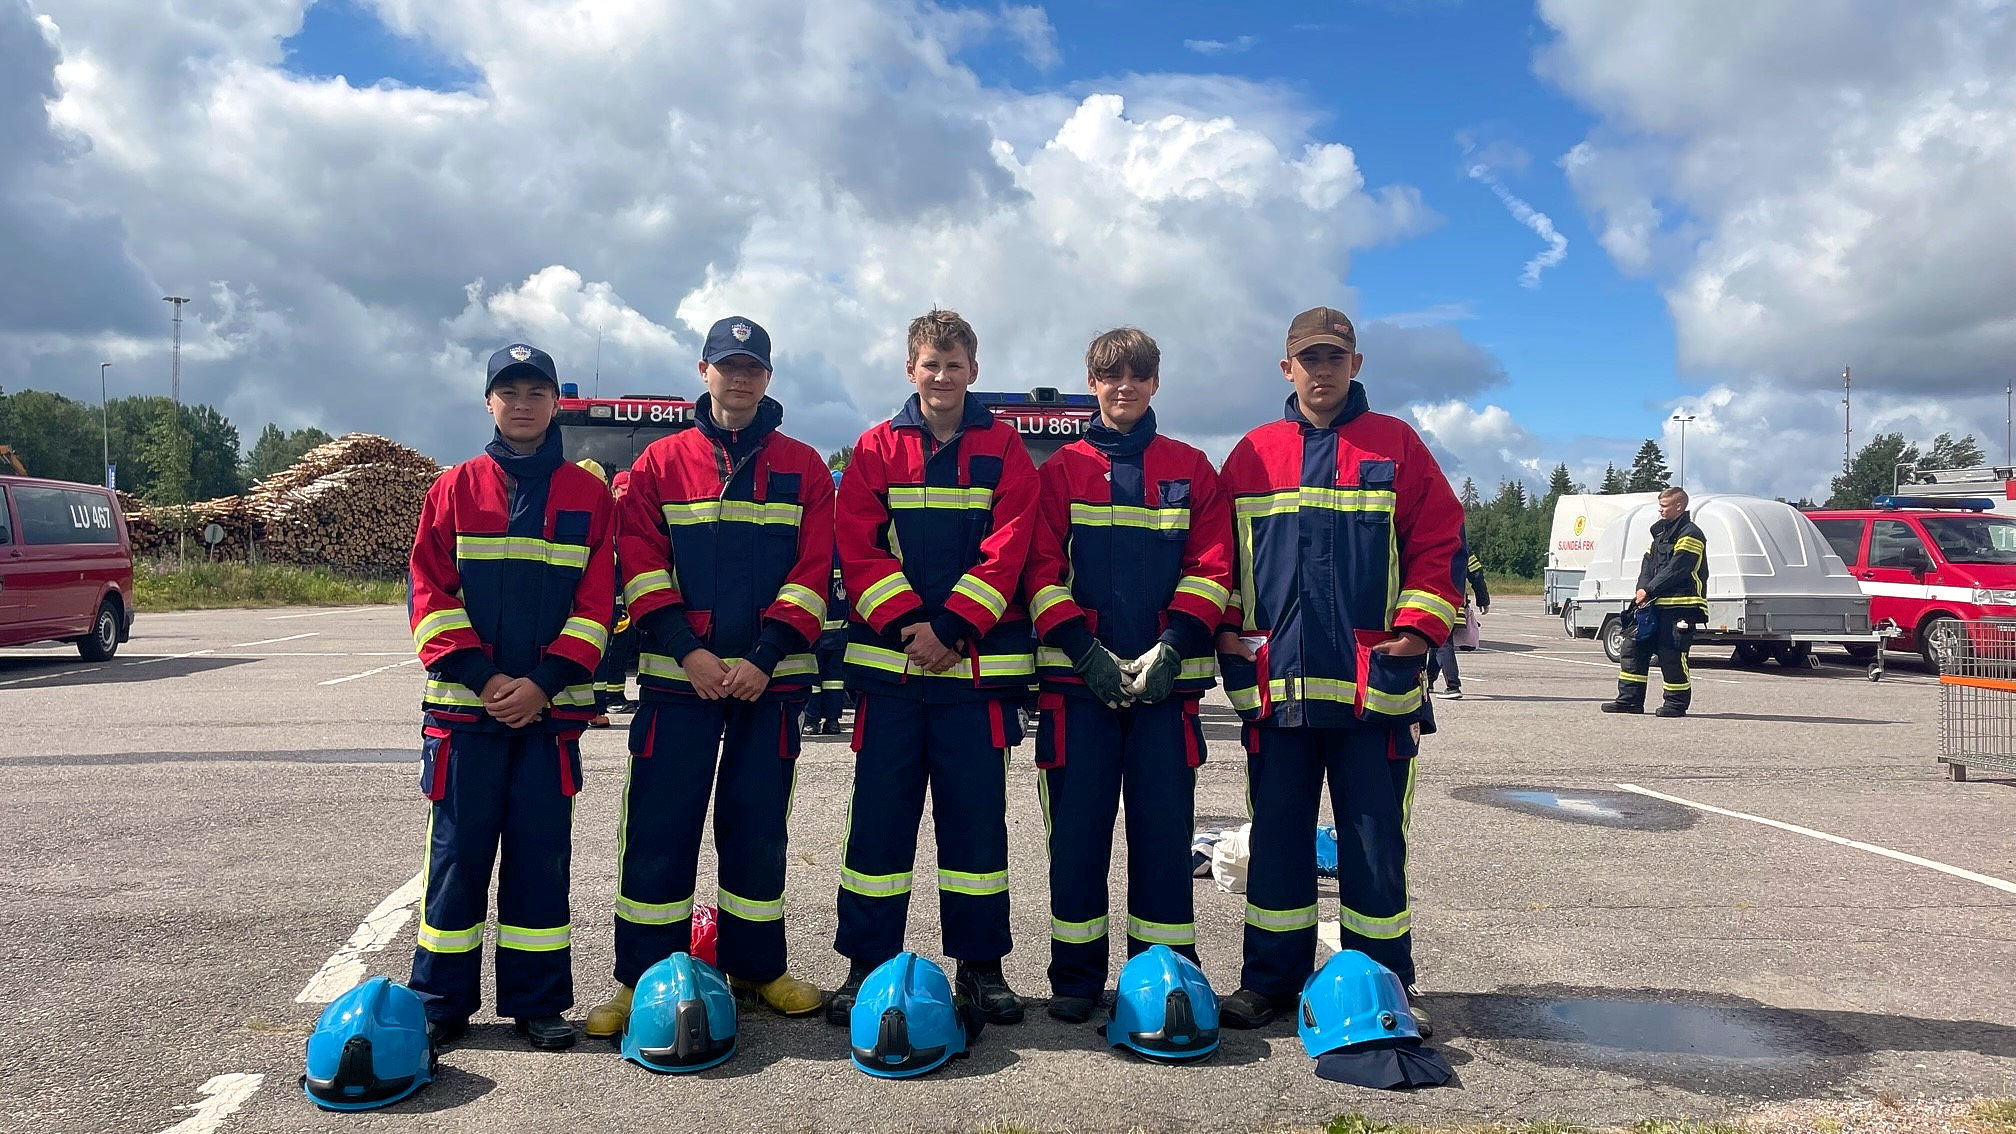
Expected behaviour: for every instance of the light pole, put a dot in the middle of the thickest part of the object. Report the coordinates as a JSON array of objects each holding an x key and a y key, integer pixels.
[
  {"x": 175, "y": 365},
  {"x": 1897, "y": 476},
  {"x": 105, "y": 422},
  {"x": 1683, "y": 419}
]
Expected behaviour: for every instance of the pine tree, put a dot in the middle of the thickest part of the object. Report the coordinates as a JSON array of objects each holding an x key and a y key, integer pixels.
[
  {"x": 278, "y": 449},
  {"x": 1468, "y": 497},
  {"x": 840, "y": 458},
  {"x": 1648, "y": 469},
  {"x": 1613, "y": 481},
  {"x": 1946, "y": 453}
]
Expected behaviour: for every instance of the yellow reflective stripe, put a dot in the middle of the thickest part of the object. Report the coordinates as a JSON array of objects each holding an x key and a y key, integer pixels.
[
  {"x": 1678, "y": 600},
  {"x": 1392, "y": 704},
  {"x": 1280, "y": 921},
  {"x": 450, "y": 940},
  {"x": 1247, "y": 697},
  {"x": 1381, "y": 928},
  {"x": 1476, "y": 565},
  {"x": 805, "y": 599},
  {"x": 1131, "y": 516},
  {"x": 1047, "y": 598},
  {"x": 1633, "y": 678},
  {"x": 981, "y": 592},
  {"x": 438, "y": 623},
  {"x": 1162, "y": 933},
  {"x": 833, "y": 624},
  {"x": 1689, "y": 543},
  {"x": 749, "y": 909},
  {"x": 874, "y": 885},
  {"x": 588, "y": 630},
  {"x": 1198, "y": 669},
  {"x": 1434, "y": 604},
  {"x": 521, "y": 547},
  {"x": 650, "y": 913},
  {"x": 896, "y": 661},
  {"x": 1078, "y": 932},
  {"x": 534, "y": 940},
  {"x": 1206, "y": 589},
  {"x": 662, "y": 665},
  {"x": 881, "y": 591},
  {"x": 650, "y": 582},
  {"x": 932, "y": 496},
  {"x": 1290, "y": 500},
  {"x": 1683, "y": 687},
  {"x": 978, "y": 885},
  {"x": 732, "y": 511},
  {"x": 441, "y": 692}
]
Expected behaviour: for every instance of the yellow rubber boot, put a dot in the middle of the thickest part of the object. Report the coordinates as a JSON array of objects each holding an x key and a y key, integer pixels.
[
  {"x": 787, "y": 994},
  {"x": 608, "y": 1017}
]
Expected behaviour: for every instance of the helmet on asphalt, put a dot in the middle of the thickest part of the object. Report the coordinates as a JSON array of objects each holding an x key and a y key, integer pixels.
[
  {"x": 369, "y": 1049},
  {"x": 682, "y": 1017},
  {"x": 700, "y": 941},
  {"x": 1164, "y": 1009},
  {"x": 594, "y": 466},
  {"x": 1351, "y": 1000},
  {"x": 907, "y": 1020}
]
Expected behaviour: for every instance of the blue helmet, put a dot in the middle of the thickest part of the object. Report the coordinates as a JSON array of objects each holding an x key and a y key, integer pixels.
[
  {"x": 907, "y": 1020},
  {"x": 369, "y": 1049},
  {"x": 1352, "y": 1000},
  {"x": 836, "y": 478},
  {"x": 1164, "y": 1009},
  {"x": 682, "y": 1017}
]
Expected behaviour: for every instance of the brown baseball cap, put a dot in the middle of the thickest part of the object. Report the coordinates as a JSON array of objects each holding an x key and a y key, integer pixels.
[{"x": 1321, "y": 325}]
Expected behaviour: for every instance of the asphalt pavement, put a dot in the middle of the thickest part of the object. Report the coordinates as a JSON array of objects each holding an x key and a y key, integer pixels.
[{"x": 1779, "y": 898}]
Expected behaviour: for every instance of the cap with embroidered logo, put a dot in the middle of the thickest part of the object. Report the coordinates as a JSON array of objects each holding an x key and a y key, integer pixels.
[
  {"x": 1321, "y": 326},
  {"x": 736, "y": 335},
  {"x": 520, "y": 361}
]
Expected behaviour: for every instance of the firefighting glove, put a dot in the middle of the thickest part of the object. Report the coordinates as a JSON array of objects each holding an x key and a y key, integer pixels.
[
  {"x": 1154, "y": 673},
  {"x": 1103, "y": 677}
]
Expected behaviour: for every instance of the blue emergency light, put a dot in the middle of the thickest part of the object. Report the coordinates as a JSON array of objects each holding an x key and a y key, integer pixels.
[
  {"x": 1040, "y": 396},
  {"x": 570, "y": 389},
  {"x": 1957, "y": 503}
]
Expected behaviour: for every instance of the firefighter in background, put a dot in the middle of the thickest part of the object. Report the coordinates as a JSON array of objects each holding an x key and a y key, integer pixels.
[
  {"x": 1469, "y": 579},
  {"x": 1128, "y": 574},
  {"x": 512, "y": 578},
  {"x": 727, "y": 541},
  {"x": 934, "y": 519},
  {"x": 620, "y": 660},
  {"x": 1672, "y": 599},
  {"x": 829, "y": 698},
  {"x": 1346, "y": 536}
]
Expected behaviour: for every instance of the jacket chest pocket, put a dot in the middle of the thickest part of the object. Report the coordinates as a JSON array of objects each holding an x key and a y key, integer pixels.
[
  {"x": 777, "y": 537},
  {"x": 1375, "y": 497},
  {"x": 569, "y": 553},
  {"x": 982, "y": 472},
  {"x": 1172, "y": 504}
]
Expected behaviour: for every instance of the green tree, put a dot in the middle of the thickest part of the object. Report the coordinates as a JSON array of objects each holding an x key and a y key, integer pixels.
[
  {"x": 54, "y": 436},
  {"x": 278, "y": 449},
  {"x": 1648, "y": 470},
  {"x": 1468, "y": 497},
  {"x": 165, "y": 450},
  {"x": 1614, "y": 482},
  {"x": 1873, "y": 472},
  {"x": 1946, "y": 453},
  {"x": 214, "y": 456},
  {"x": 840, "y": 458}
]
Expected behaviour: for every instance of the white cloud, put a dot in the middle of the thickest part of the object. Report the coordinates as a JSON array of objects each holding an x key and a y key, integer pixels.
[
  {"x": 1030, "y": 26},
  {"x": 1539, "y": 222},
  {"x": 356, "y": 253},
  {"x": 1234, "y": 46}
]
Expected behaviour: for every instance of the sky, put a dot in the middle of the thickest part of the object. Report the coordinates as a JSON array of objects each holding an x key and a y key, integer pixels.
[{"x": 1557, "y": 225}]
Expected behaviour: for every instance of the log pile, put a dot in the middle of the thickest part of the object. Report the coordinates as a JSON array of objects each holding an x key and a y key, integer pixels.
[{"x": 352, "y": 504}]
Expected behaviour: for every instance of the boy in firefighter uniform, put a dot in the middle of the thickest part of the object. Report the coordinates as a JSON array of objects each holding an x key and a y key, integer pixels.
[
  {"x": 829, "y": 697},
  {"x": 1673, "y": 594},
  {"x": 1346, "y": 535},
  {"x": 727, "y": 541},
  {"x": 1468, "y": 579},
  {"x": 935, "y": 513},
  {"x": 1128, "y": 575},
  {"x": 512, "y": 579}
]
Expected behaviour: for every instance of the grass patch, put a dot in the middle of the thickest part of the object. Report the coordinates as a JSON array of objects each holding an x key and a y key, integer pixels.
[
  {"x": 1684, "y": 1126},
  {"x": 1996, "y": 1116},
  {"x": 208, "y": 586},
  {"x": 1514, "y": 585}
]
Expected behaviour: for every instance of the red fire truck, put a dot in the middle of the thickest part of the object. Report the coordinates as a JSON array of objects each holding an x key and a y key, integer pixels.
[{"x": 614, "y": 431}]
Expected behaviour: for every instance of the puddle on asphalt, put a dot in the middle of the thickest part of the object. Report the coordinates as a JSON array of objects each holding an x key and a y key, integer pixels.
[
  {"x": 1648, "y": 1028},
  {"x": 1627, "y": 810}
]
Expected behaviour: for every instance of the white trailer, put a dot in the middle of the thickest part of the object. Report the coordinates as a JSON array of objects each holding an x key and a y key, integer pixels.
[
  {"x": 1578, "y": 521},
  {"x": 1775, "y": 587}
]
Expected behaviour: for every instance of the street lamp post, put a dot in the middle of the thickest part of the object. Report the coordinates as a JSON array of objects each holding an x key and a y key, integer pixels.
[
  {"x": 1683, "y": 419},
  {"x": 1897, "y": 476},
  {"x": 105, "y": 422}
]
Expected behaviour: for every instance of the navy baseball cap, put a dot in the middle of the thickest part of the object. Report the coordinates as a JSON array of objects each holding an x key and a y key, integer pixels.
[
  {"x": 520, "y": 361},
  {"x": 736, "y": 335}
]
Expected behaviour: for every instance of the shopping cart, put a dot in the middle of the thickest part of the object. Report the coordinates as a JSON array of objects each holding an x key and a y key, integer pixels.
[{"x": 1977, "y": 695}]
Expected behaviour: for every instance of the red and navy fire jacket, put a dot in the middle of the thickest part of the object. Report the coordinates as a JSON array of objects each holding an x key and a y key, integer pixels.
[
  {"x": 1345, "y": 535},
  {"x": 727, "y": 545},
  {"x": 938, "y": 533},
  {"x": 1133, "y": 545},
  {"x": 513, "y": 575}
]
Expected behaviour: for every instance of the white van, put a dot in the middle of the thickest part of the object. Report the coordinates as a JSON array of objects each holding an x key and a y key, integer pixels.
[
  {"x": 1579, "y": 521},
  {"x": 1775, "y": 587}
]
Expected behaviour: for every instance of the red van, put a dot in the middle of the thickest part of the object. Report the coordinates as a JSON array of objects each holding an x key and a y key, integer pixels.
[
  {"x": 1926, "y": 561},
  {"x": 66, "y": 566}
]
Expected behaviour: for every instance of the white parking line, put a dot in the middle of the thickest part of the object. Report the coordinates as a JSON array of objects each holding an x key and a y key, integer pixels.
[
  {"x": 227, "y": 1093},
  {"x": 317, "y": 613},
  {"x": 344, "y": 968},
  {"x": 1531, "y": 656},
  {"x": 47, "y": 676},
  {"x": 1886, "y": 852},
  {"x": 369, "y": 672},
  {"x": 175, "y": 657},
  {"x": 270, "y": 641}
]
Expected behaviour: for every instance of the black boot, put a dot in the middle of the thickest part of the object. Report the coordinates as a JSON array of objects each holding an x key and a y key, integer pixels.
[
  {"x": 1072, "y": 1009},
  {"x": 445, "y": 1032},
  {"x": 998, "y": 1002},
  {"x": 547, "y": 1033},
  {"x": 1248, "y": 1009},
  {"x": 1622, "y": 707},
  {"x": 811, "y": 728},
  {"x": 840, "y": 1006},
  {"x": 1671, "y": 710}
]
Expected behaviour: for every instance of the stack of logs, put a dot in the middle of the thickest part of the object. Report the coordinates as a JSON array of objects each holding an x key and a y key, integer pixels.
[{"x": 352, "y": 504}]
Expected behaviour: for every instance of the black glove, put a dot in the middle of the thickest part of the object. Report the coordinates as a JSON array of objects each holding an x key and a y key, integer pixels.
[{"x": 1102, "y": 675}]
